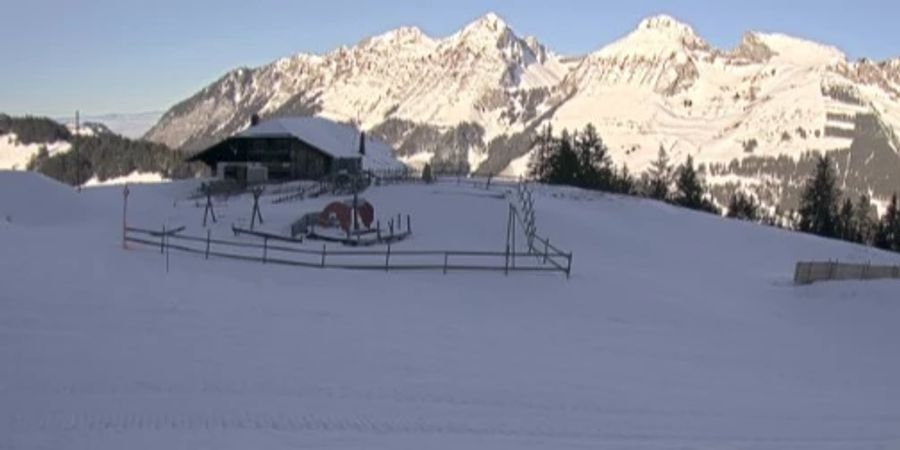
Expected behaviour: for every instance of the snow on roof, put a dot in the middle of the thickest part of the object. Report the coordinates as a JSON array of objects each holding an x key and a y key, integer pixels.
[{"x": 335, "y": 139}]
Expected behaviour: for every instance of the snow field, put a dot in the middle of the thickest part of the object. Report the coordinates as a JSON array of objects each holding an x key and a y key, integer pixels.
[{"x": 676, "y": 330}]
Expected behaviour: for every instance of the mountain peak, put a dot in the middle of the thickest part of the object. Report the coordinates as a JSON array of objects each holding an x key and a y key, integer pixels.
[
  {"x": 666, "y": 23},
  {"x": 655, "y": 36},
  {"x": 489, "y": 24},
  {"x": 400, "y": 36},
  {"x": 490, "y": 20},
  {"x": 488, "y": 31}
]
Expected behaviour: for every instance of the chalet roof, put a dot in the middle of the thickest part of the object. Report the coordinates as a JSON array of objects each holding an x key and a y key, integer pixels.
[{"x": 335, "y": 139}]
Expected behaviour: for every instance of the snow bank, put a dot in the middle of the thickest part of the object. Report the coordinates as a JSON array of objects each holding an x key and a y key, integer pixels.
[{"x": 135, "y": 177}]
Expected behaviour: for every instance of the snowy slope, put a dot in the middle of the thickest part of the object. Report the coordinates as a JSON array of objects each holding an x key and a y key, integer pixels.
[
  {"x": 477, "y": 96},
  {"x": 32, "y": 200},
  {"x": 14, "y": 155},
  {"x": 677, "y": 330}
]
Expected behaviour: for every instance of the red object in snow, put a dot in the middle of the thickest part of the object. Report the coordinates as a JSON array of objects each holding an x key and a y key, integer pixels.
[{"x": 342, "y": 214}]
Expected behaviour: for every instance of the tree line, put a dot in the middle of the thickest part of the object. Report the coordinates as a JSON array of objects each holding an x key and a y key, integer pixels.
[
  {"x": 581, "y": 159},
  {"x": 108, "y": 156},
  {"x": 31, "y": 130},
  {"x": 826, "y": 211}
]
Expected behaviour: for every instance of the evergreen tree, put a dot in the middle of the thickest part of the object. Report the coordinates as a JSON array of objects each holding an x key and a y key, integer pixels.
[
  {"x": 427, "y": 176},
  {"x": 743, "y": 207},
  {"x": 888, "y": 234},
  {"x": 539, "y": 165},
  {"x": 623, "y": 182},
  {"x": 659, "y": 176},
  {"x": 593, "y": 160},
  {"x": 109, "y": 156},
  {"x": 866, "y": 220},
  {"x": 563, "y": 161},
  {"x": 846, "y": 228},
  {"x": 690, "y": 191},
  {"x": 818, "y": 204}
]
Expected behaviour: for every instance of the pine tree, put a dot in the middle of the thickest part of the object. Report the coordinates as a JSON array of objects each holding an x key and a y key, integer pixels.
[
  {"x": 539, "y": 165},
  {"x": 689, "y": 190},
  {"x": 593, "y": 160},
  {"x": 866, "y": 220},
  {"x": 659, "y": 176},
  {"x": 743, "y": 207},
  {"x": 563, "y": 161},
  {"x": 888, "y": 235},
  {"x": 427, "y": 176},
  {"x": 846, "y": 228},
  {"x": 623, "y": 182},
  {"x": 818, "y": 204}
]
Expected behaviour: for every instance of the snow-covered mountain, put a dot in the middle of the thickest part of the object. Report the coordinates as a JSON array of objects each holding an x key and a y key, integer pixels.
[
  {"x": 475, "y": 98},
  {"x": 130, "y": 125}
]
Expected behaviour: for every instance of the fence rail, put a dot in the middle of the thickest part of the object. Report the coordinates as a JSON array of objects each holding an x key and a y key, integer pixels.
[
  {"x": 285, "y": 253},
  {"x": 807, "y": 272}
]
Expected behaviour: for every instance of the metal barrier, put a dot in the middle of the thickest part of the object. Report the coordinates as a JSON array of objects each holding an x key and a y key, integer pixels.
[
  {"x": 807, "y": 272},
  {"x": 552, "y": 260}
]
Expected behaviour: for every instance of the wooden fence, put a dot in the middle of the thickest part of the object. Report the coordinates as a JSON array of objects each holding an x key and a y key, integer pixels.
[
  {"x": 808, "y": 272},
  {"x": 551, "y": 259}
]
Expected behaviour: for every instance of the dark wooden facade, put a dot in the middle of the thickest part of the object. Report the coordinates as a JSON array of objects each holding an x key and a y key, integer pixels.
[{"x": 285, "y": 158}]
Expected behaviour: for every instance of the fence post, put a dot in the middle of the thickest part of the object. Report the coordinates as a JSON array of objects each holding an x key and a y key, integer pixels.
[
  {"x": 408, "y": 224},
  {"x": 125, "y": 218},
  {"x": 265, "y": 248},
  {"x": 378, "y": 229},
  {"x": 387, "y": 257},
  {"x": 166, "y": 245},
  {"x": 162, "y": 240},
  {"x": 445, "y": 263},
  {"x": 208, "y": 235},
  {"x": 515, "y": 218},
  {"x": 569, "y": 266},
  {"x": 509, "y": 219},
  {"x": 323, "y": 256},
  {"x": 546, "y": 249},
  {"x": 506, "y": 264}
]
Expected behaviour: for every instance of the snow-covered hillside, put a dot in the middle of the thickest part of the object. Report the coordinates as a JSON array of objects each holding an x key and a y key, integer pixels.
[
  {"x": 475, "y": 98},
  {"x": 15, "y": 155},
  {"x": 677, "y": 330}
]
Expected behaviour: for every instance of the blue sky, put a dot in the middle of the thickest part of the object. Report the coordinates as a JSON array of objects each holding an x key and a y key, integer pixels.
[{"x": 104, "y": 56}]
